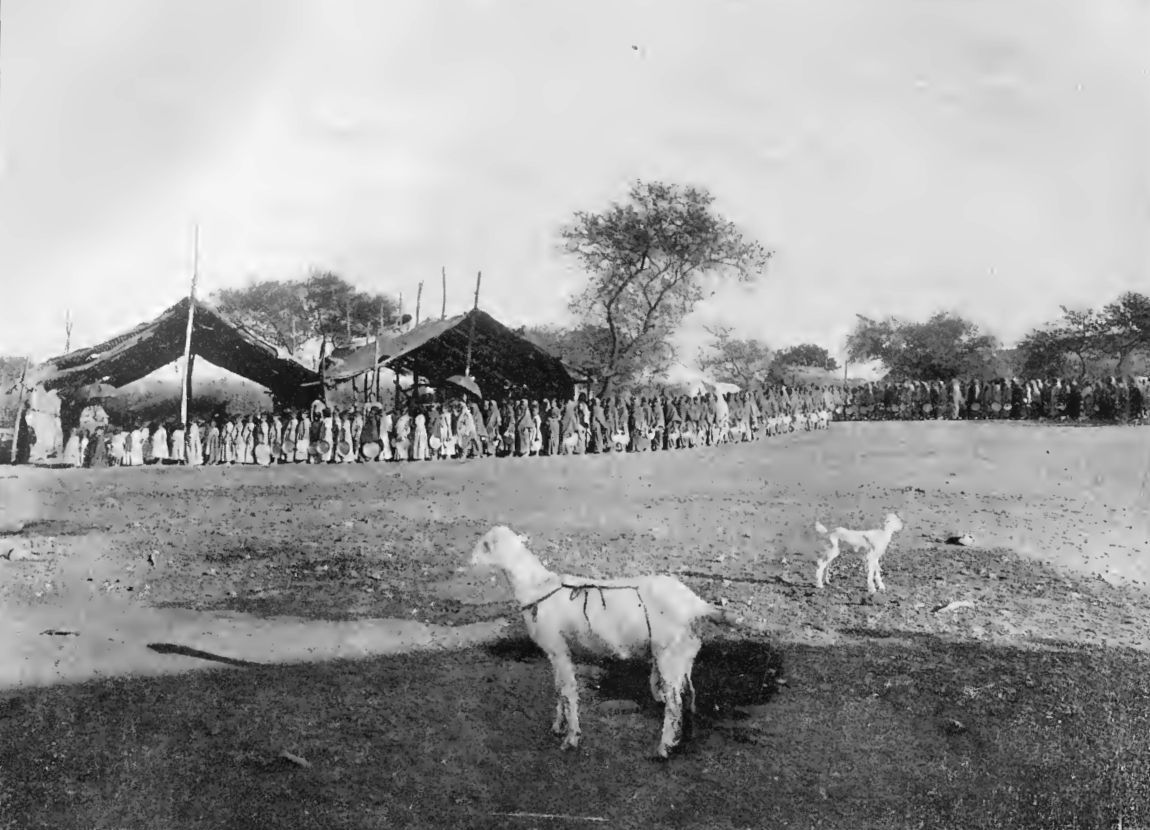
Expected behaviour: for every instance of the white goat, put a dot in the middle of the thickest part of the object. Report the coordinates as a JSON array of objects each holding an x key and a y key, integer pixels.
[
  {"x": 872, "y": 542},
  {"x": 620, "y": 617}
]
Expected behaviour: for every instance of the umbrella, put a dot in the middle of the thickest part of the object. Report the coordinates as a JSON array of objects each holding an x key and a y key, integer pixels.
[
  {"x": 465, "y": 383},
  {"x": 96, "y": 391}
]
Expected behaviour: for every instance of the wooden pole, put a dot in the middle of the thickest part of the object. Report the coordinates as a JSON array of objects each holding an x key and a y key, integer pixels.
[
  {"x": 418, "y": 301},
  {"x": 471, "y": 333},
  {"x": 186, "y": 385},
  {"x": 443, "y": 310},
  {"x": 67, "y": 331}
]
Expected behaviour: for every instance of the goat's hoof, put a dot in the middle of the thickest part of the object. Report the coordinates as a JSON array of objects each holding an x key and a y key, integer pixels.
[
  {"x": 570, "y": 742},
  {"x": 558, "y": 730}
]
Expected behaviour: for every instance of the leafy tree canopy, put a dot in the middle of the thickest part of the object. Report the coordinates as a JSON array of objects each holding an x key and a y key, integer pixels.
[{"x": 650, "y": 261}]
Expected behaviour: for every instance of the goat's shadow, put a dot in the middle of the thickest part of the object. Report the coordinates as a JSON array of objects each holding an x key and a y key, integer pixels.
[{"x": 730, "y": 677}]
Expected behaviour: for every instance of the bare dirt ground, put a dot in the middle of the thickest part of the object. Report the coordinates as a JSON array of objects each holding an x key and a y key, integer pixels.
[{"x": 1026, "y": 708}]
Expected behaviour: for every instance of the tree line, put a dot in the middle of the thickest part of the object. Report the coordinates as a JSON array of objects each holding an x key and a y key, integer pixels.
[{"x": 651, "y": 259}]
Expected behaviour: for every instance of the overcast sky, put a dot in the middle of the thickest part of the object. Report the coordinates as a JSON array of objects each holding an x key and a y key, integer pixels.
[{"x": 900, "y": 156}]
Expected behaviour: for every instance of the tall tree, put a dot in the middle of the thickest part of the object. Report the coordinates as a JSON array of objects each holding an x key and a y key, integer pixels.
[
  {"x": 1043, "y": 353},
  {"x": 323, "y": 306},
  {"x": 944, "y": 347},
  {"x": 743, "y": 362},
  {"x": 807, "y": 354},
  {"x": 651, "y": 260},
  {"x": 1126, "y": 327}
]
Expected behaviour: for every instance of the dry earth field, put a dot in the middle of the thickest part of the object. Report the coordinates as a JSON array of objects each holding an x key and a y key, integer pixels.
[{"x": 222, "y": 616}]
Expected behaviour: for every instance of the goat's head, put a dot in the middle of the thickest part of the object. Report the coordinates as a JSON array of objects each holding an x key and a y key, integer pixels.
[
  {"x": 893, "y": 522},
  {"x": 497, "y": 547}
]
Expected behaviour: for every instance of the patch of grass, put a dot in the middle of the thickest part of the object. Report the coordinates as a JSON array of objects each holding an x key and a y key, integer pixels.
[{"x": 918, "y": 733}]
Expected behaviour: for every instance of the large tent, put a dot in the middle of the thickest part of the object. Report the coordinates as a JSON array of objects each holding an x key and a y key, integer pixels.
[
  {"x": 152, "y": 345},
  {"x": 501, "y": 360}
]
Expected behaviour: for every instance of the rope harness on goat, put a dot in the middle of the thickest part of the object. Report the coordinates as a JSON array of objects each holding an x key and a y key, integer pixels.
[{"x": 585, "y": 590}]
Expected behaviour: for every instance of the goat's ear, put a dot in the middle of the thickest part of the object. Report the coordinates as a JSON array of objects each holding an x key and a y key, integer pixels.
[{"x": 486, "y": 546}]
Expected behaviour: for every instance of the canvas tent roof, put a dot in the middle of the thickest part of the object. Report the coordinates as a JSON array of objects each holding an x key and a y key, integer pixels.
[
  {"x": 151, "y": 345},
  {"x": 500, "y": 358}
]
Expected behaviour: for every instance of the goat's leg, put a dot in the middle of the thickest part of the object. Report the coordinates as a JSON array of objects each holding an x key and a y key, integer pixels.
[
  {"x": 829, "y": 556},
  {"x": 568, "y": 688},
  {"x": 656, "y": 682},
  {"x": 878, "y": 569},
  {"x": 690, "y": 652},
  {"x": 675, "y": 665}
]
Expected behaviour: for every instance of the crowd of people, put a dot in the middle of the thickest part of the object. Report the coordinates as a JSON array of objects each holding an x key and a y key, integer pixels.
[
  {"x": 454, "y": 428},
  {"x": 458, "y": 428},
  {"x": 1110, "y": 400}
]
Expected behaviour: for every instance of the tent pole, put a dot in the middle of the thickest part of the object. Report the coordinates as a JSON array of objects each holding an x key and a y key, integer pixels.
[
  {"x": 443, "y": 310},
  {"x": 471, "y": 333},
  {"x": 186, "y": 385},
  {"x": 418, "y": 300}
]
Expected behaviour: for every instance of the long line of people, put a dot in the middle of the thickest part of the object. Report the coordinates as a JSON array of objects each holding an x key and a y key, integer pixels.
[
  {"x": 456, "y": 429},
  {"x": 521, "y": 427},
  {"x": 1107, "y": 400}
]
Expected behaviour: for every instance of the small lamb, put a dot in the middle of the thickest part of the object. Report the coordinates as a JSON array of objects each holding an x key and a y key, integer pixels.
[
  {"x": 620, "y": 617},
  {"x": 872, "y": 542}
]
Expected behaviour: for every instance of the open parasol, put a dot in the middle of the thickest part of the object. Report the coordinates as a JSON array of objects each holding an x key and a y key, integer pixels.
[
  {"x": 96, "y": 391},
  {"x": 465, "y": 383}
]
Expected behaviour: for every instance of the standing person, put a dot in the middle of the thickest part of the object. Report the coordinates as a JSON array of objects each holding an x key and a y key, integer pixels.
[
  {"x": 494, "y": 424},
  {"x": 247, "y": 441},
  {"x": 212, "y": 448},
  {"x": 554, "y": 427},
  {"x": 118, "y": 447},
  {"x": 229, "y": 435},
  {"x": 302, "y": 444},
  {"x": 386, "y": 430},
  {"x": 179, "y": 445},
  {"x": 97, "y": 450},
  {"x": 1073, "y": 402},
  {"x": 467, "y": 433},
  {"x": 568, "y": 427},
  {"x": 419, "y": 448},
  {"x": 160, "y": 452},
  {"x": 1122, "y": 400},
  {"x": 369, "y": 433},
  {"x": 275, "y": 437},
  {"x": 72, "y": 456},
  {"x": 524, "y": 427},
  {"x": 669, "y": 418},
  {"x": 536, "y": 428},
  {"x": 287, "y": 437},
  {"x": 194, "y": 450},
  {"x": 480, "y": 428},
  {"x": 327, "y": 436},
  {"x": 402, "y": 435},
  {"x": 437, "y": 431}
]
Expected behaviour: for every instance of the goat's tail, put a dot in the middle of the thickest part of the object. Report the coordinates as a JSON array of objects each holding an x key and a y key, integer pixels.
[{"x": 821, "y": 528}]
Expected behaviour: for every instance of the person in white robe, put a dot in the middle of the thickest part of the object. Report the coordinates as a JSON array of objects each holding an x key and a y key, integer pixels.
[
  {"x": 72, "y": 456},
  {"x": 195, "y": 448},
  {"x": 160, "y": 444},
  {"x": 119, "y": 448},
  {"x": 179, "y": 445},
  {"x": 139, "y": 436}
]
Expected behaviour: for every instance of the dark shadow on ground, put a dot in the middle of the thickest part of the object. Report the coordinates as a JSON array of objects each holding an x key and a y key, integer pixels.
[
  {"x": 186, "y": 651},
  {"x": 892, "y": 729}
]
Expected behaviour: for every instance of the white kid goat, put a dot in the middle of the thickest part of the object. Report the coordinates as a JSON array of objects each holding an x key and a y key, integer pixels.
[
  {"x": 620, "y": 617},
  {"x": 873, "y": 544}
]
